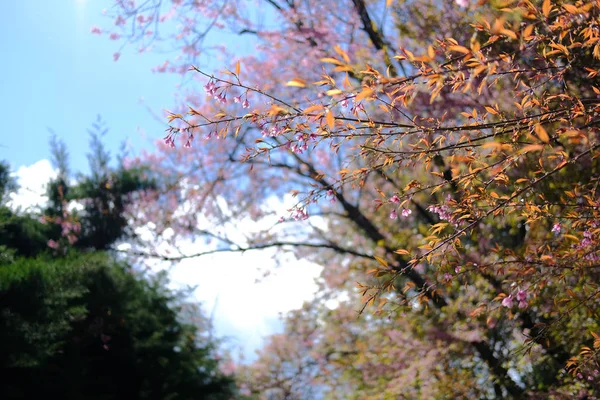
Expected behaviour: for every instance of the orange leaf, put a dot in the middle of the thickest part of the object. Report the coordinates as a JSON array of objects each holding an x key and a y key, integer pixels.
[
  {"x": 330, "y": 119},
  {"x": 542, "y": 134},
  {"x": 364, "y": 94},
  {"x": 532, "y": 147},
  {"x": 459, "y": 49},
  {"x": 546, "y": 8},
  {"x": 316, "y": 107},
  {"x": 571, "y": 9}
]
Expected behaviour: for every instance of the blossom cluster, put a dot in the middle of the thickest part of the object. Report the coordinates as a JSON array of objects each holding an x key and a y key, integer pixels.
[
  {"x": 405, "y": 211},
  {"x": 521, "y": 297},
  {"x": 69, "y": 228}
]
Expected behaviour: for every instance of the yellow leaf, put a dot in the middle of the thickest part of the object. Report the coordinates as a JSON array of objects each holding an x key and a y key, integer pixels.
[
  {"x": 237, "y": 68},
  {"x": 342, "y": 68},
  {"x": 333, "y": 92},
  {"x": 430, "y": 52},
  {"x": 492, "y": 145},
  {"x": 342, "y": 53},
  {"x": 542, "y": 134},
  {"x": 331, "y": 61},
  {"x": 381, "y": 261},
  {"x": 388, "y": 3},
  {"x": 491, "y": 110},
  {"x": 570, "y": 237},
  {"x": 330, "y": 119},
  {"x": 401, "y": 252},
  {"x": 297, "y": 82}
]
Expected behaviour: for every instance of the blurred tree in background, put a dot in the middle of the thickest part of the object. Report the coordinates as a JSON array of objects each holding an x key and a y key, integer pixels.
[
  {"x": 442, "y": 154},
  {"x": 75, "y": 322}
]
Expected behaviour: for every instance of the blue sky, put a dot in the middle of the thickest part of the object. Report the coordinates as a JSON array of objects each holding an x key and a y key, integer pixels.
[{"x": 56, "y": 75}]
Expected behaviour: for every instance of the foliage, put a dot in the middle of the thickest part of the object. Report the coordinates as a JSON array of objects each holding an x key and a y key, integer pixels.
[
  {"x": 75, "y": 323},
  {"x": 99, "y": 217},
  {"x": 83, "y": 326},
  {"x": 450, "y": 148}
]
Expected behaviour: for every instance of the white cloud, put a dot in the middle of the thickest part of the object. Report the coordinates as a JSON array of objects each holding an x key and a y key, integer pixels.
[
  {"x": 232, "y": 286},
  {"x": 32, "y": 182},
  {"x": 246, "y": 305}
]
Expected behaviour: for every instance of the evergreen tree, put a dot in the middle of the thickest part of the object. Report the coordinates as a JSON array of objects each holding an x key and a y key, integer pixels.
[{"x": 77, "y": 324}]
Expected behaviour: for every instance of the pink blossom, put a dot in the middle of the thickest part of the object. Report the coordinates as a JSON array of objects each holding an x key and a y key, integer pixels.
[
  {"x": 169, "y": 141},
  {"x": 119, "y": 21},
  {"x": 521, "y": 295},
  {"x": 393, "y": 214},
  {"x": 52, "y": 244},
  {"x": 395, "y": 199},
  {"x": 300, "y": 215},
  {"x": 462, "y": 3},
  {"x": 556, "y": 228},
  {"x": 210, "y": 134},
  {"x": 331, "y": 195},
  {"x": 406, "y": 212},
  {"x": 457, "y": 269},
  {"x": 116, "y": 56},
  {"x": 523, "y": 304},
  {"x": 508, "y": 301},
  {"x": 245, "y": 104},
  {"x": 447, "y": 277},
  {"x": 114, "y": 36},
  {"x": 237, "y": 99},
  {"x": 209, "y": 87},
  {"x": 96, "y": 30}
]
